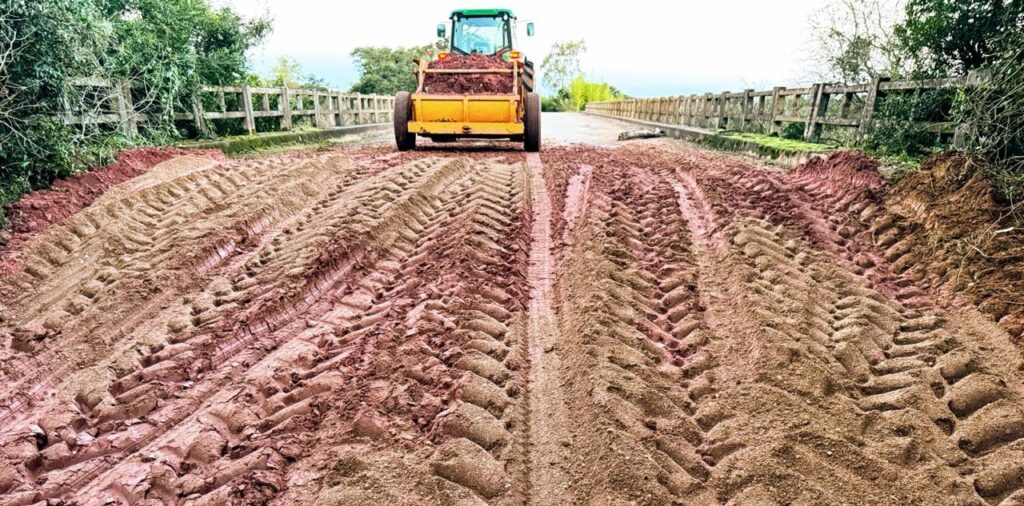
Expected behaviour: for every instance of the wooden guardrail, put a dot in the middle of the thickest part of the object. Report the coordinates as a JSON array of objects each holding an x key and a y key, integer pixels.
[
  {"x": 115, "y": 104},
  {"x": 768, "y": 110}
]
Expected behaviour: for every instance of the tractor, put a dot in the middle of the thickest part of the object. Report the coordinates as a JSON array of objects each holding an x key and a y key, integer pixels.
[{"x": 448, "y": 117}]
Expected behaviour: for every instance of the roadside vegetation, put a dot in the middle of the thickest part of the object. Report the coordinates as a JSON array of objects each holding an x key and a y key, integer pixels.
[
  {"x": 167, "y": 48},
  {"x": 562, "y": 72},
  {"x": 780, "y": 143},
  {"x": 388, "y": 70},
  {"x": 923, "y": 39}
]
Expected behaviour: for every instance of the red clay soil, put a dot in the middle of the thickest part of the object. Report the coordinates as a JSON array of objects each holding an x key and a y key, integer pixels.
[
  {"x": 851, "y": 168},
  {"x": 38, "y": 210},
  {"x": 469, "y": 84},
  {"x": 964, "y": 239},
  {"x": 651, "y": 324}
]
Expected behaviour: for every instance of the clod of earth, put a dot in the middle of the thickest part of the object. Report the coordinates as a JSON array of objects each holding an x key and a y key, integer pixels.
[
  {"x": 469, "y": 84},
  {"x": 643, "y": 324}
]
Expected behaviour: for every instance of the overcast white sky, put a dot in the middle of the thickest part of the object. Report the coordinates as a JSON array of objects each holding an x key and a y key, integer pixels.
[{"x": 643, "y": 47}]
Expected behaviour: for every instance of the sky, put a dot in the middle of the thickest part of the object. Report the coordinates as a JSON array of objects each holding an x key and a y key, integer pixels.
[{"x": 642, "y": 47}]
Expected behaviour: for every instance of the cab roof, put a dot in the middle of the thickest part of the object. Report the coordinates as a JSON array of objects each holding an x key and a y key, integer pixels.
[{"x": 482, "y": 12}]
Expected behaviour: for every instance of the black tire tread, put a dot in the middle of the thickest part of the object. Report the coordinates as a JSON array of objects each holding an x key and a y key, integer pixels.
[
  {"x": 531, "y": 118},
  {"x": 404, "y": 139}
]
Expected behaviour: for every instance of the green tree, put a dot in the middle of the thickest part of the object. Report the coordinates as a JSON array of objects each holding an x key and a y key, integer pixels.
[
  {"x": 583, "y": 91},
  {"x": 286, "y": 72},
  {"x": 166, "y": 48},
  {"x": 953, "y": 37},
  {"x": 853, "y": 40},
  {"x": 992, "y": 118},
  {"x": 43, "y": 46},
  {"x": 222, "y": 39},
  {"x": 386, "y": 70},
  {"x": 169, "y": 48},
  {"x": 562, "y": 63}
]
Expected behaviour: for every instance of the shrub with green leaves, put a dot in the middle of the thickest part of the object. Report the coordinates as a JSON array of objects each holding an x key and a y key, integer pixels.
[
  {"x": 166, "y": 48},
  {"x": 992, "y": 119},
  {"x": 899, "y": 127},
  {"x": 793, "y": 131}
]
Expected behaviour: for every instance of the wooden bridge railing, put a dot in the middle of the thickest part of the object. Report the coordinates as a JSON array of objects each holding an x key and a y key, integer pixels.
[
  {"x": 115, "y": 104},
  {"x": 816, "y": 106}
]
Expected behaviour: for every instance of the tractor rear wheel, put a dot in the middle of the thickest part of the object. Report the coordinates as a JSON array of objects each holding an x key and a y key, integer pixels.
[
  {"x": 531, "y": 118},
  {"x": 403, "y": 112}
]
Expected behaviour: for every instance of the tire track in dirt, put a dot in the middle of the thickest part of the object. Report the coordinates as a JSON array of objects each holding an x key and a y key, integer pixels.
[
  {"x": 548, "y": 418},
  {"x": 223, "y": 351},
  {"x": 175, "y": 245},
  {"x": 896, "y": 353},
  {"x": 858, "y": 369},
  {"x": 164, "y": 363},
  {"x": 643, "y": 325},
  {"x": 471, "y": 314},
  {"x": 629, "y": 318},
  {"x": 803, "y": 381}
]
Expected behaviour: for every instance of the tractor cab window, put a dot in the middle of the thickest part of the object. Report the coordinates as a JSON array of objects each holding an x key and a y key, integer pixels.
[{"x": 481, "y": 34}]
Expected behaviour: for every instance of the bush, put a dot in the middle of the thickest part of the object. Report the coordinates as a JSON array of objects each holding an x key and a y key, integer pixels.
[
  {"x": 166, "y": 48},
  {"x": 992, "y": 118},
  {"x": 584, "y": 91},
  {"x": 899, "y": 126},
  {"x": 579, "y": 92},
  {"x": 794, "y": 131},
  {"x": 560, "y": 102},
  {"x": 386, "y": 71}
]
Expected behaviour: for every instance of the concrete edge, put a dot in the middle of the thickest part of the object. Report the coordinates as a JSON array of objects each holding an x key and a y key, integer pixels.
[
  {"x": 243, "y": 144},
  {"x": 788, "y": 158}
]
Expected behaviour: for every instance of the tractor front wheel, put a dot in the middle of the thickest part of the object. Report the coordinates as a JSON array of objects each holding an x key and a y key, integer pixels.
[
  {"x": 531, "y": 118},
  {"x": 403, "y": 112}
]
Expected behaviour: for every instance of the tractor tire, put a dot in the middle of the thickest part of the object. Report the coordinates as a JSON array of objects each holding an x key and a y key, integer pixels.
[
  {"x": 403, "y": 113},
  {"x": 531, "y": 118}
]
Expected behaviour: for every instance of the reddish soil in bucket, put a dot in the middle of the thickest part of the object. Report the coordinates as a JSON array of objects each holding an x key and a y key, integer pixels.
[{"x": 469, "y": 84}]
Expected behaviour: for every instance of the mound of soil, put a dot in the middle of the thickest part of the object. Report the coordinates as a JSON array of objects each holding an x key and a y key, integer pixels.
[
  {"x": 38, "y": 210},
  {"x": 943, "y": 227},
  {"x": 469, "y": 84},
  {"x": 850, "y": 167},
  {"x": 971, "y": 243}
]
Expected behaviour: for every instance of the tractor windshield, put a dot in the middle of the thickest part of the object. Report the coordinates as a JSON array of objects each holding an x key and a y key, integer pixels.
[{"x": 481, "y": 34}]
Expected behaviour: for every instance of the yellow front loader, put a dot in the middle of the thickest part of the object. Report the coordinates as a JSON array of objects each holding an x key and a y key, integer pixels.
[{"x": 450, "y": 117}]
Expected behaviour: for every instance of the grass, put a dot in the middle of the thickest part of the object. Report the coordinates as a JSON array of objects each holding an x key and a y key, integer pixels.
[
  {"x": 270, "y": 142},
  {"x": 780, "y": 143}
]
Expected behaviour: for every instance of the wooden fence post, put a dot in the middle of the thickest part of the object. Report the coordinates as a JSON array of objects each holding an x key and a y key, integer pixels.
[
  {"x": 723, "y": 114},
  {"x": 777, "y": 109},
  {"x": 126, "y": 109},
  {"x": 250, "y": 120},
  {"x": 198, "y": 116},
  {"x": 706, "y": 110},
  {"x": 748, "y": 102},
  {"x": 869, "y": 107},
  {"x": 316, "y": 109},
  {"x": 285, "y": 105},
  {"x": 338, "y": 118},
  {"x": 819, "y": 107}
]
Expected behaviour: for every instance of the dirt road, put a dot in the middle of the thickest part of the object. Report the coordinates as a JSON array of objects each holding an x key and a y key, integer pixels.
[{"x": 605, "y": 323}]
